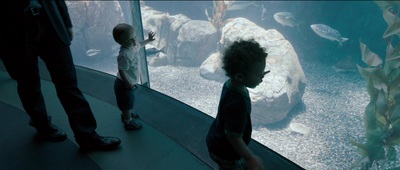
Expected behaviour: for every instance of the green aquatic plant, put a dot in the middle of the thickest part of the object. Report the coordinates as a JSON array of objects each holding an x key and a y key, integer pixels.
[
  {"x": 218, "y": 18},
  {"x": 218, "y": 21},
  {"x": 218, "y": 13},
  {"x": 382, "y": 114}
]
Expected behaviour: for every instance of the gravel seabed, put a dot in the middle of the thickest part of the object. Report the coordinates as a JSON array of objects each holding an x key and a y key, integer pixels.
[{"x": 332, "y": 106}]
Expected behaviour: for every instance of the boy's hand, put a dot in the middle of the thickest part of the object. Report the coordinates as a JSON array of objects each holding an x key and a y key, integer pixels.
[
  {"x": 130, "y": 86},
  {"x": 151, "y": 36}
]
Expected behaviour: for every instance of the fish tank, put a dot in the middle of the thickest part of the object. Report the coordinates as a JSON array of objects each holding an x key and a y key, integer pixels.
[{"x": 332, "y": 98}]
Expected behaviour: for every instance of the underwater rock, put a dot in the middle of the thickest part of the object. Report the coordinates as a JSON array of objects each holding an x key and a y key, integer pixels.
[
  {"x": 282, "y": 88},
  {"x": 90, "y": 30},
  {"x": 187, "y": 42},
  {"x": 158, "y": 22},
  {"x": 158, "y": 60},
  {"x": 211, "y": 68},
  {"x": 196, "y": 41},
  {"x": 166, "y": 27},
  {"x": 300, "y": 128}
]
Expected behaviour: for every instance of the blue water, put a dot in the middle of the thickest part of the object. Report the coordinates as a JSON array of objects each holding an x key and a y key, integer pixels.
[
  {"x": 333, "y": 103},
  {"x": 355, "y": 20}
]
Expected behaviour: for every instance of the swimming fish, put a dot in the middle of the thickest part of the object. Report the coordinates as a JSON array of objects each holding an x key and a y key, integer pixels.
[
  {"x": 345, "y": 65},
  {"x": 285, "y": 18},
  {"x": 327, "y": 32},
  {"x": 263, "y": 12},
  {"x": 300, "y": 128},
  {"x": 93, "y": 52},
  {"x": 238, "y": 5},
  {"x": 153, "y": 50}
]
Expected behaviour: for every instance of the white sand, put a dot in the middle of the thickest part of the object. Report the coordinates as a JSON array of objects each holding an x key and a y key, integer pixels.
[{"x": 333, "y": 106}]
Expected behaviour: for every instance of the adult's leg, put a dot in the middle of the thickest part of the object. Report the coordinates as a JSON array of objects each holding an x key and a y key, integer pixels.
[
  {"x": 30, "y": 94},
  {"x": 27, "y": 73},
  {"x": 59, "y": 62},
  {"x": 58, "y": 59},
  {"x": 29, "y": 90}
]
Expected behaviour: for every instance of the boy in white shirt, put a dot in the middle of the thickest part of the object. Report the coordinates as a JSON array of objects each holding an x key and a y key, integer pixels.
[{"x": 128, "y": 72}]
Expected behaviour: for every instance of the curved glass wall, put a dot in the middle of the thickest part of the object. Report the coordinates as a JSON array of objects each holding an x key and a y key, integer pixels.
[
  {"x": 93, "y": 45},
  {"x": 313, "y": 108}
]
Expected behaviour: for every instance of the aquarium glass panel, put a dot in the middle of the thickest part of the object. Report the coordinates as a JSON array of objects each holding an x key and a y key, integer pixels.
[
  {"x": 311, "y": 107},
  {"x": 93, "y": 45},
  {"x": 331, "y": 99}
]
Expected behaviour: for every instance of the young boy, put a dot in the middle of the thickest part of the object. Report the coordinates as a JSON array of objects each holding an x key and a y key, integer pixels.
[
  {"x": 128, "y": 72},
  {"x": 230, "y": 133}
]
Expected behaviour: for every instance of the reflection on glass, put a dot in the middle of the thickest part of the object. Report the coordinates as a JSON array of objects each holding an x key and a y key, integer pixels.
[{"x": 312, "y": 103}]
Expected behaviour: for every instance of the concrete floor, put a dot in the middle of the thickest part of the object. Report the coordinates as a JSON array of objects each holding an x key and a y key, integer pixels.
[
  {"x": 173, "y": 136},
  {"x": 143, "y": 149}
]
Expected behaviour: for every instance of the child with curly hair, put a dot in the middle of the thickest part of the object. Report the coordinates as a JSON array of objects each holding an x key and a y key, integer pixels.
[{"x": 230, "y": 133}]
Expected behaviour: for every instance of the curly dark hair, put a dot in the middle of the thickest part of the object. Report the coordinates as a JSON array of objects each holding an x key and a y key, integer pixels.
[{"x": 240, "y": 55}]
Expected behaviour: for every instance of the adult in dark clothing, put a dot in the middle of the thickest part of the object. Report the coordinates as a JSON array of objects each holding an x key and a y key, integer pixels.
[
  {"x": 48, "y": 32},
  {"x": 12, "y": 35}
]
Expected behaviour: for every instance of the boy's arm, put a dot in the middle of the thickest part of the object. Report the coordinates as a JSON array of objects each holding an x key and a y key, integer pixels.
[
  {"x": 125, "y": 79},
  {"x": 144, "y": 42},
  {"x": 253, "y": 161},
  {"x": 151, "y": 38}
]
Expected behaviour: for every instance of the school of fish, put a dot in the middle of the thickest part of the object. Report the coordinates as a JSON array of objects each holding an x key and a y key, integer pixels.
[
  {"x": 322, "y": 30},
  {"x": 287, "y": 19}
]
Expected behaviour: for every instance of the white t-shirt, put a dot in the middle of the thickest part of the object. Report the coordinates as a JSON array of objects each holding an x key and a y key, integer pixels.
[{"x": 128, "y": 60}]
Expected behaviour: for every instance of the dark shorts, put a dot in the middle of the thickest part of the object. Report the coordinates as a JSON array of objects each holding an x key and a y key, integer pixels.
[{"x": 125, "y": 97}]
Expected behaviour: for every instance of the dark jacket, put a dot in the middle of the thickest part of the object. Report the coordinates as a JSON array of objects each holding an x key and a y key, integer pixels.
[{"x": 59, "y": 17}]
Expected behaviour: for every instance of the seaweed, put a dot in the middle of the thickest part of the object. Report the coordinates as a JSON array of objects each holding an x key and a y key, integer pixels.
[
  {"x": 219, "y": 10},
  {"x": 382, "y": 114},
  {"x": 217, "y": 20}
]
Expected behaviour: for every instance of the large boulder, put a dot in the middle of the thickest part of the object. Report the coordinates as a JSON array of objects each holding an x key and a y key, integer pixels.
[
  {"x": 282, "y": 88},
  {"x": 167, "y": 29},
  {"x": 196, "y": 41},
  {"x": 211, "y": 68},
  {"x": 186, "y": 42}
]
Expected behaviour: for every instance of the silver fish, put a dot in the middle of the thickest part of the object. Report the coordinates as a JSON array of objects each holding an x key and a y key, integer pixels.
[
  {"x": 93, "y": 52},
  {"x": 153, "y": 50},
  {"x": 285, "y": 18},
  {"x": 263, "y": 12},
  {"x": 239, "y": 5},
  {"x": 327, "y": 32},
  {"x": 300, "y": 128},
  {"x": 345, "y": 65}
]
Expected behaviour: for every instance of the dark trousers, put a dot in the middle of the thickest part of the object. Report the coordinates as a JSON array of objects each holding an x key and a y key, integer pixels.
[{"x": 43, "y": 41}]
